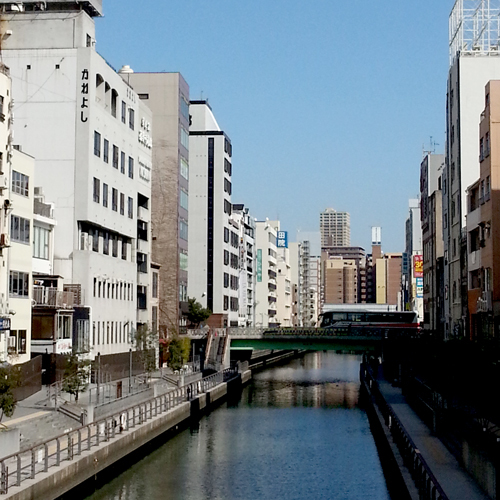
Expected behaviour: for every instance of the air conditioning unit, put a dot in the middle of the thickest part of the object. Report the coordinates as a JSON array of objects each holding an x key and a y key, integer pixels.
[{"x": 4, "y": 240}]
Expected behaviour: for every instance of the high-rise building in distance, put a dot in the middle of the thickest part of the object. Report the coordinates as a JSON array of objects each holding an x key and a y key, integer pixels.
[{"x": 335, "y": 228}]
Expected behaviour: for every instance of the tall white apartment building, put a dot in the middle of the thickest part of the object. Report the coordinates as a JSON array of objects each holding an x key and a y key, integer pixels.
[
  {"x": 474, "y": 60},
  {"x": 246, "y": 284},
  {"x": 335, "y": 228},
  {"x": 91, "y": 137},
  {"x": 284, "y": 310},
  {"x": 266, "y": 275},
  {"x": 214, "y": 242}
]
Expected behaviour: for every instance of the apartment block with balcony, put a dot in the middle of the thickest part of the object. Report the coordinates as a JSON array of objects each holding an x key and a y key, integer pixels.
[
  {"x": 267, "y": 273},
  {"x": 483, "y": 223}
]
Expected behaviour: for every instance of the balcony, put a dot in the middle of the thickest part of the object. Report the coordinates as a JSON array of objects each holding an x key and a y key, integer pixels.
[{"x": 52, "y": 297}]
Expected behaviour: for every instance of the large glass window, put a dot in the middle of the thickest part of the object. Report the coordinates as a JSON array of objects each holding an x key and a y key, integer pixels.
[
  {"x": 116, "y": 154},
  {"x": 114, "y": 199},
  {"x": 20, "y": 183},
  {"x": 104, "y": 195},
  {"x": 131, "y": 118},
  {"x": 130, "y": 167},
  {"x": 184, "y": 108},
  {"x": 106, "y": 151},
  {"x": 122, "y": 162},
  {"x": 20, "y": 229},
  {"x": 130, "y": 208},
  {"x": 183, "y": 261},
  {"x": 41, "y": 243}
]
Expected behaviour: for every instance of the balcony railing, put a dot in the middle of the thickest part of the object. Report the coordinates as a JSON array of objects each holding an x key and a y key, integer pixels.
[{"x": 52, "y": 297}]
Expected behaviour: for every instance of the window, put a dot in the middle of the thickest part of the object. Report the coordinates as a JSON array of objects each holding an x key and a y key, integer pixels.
[
  {"x": 142, "y": 230},
  {"x": 227, "y": 207},
  {"x": 124, "y": 249},
  {"x": 104, "y": 195},
  {"x": 228, "y": 168},
  {"x": 20, "y": 229},
  {"x": 184, "y": 138},
  {"x": 97, "y": 143},
  {"x": 114, "y": 242},
  {"x": 227, "y": 186},
  {"x": 143, "y": 97},
  {"x": 183, "y": 261},
  {"x": 41, "y": 243},
  {"x": 234, "y": 239},
  {"x": 20, "y": 183},
  {"x": 122, "y": 162},
  {"x": 226, "y": 280},
  {"x": 130, "y": 167},
  {"x": 105, "y": 242},
  {"x": 106, "y": 151},
  {"x": 19, "y": 284},
  {"x": 122, "y": 204},
  {"x": 226, "y": 302},
  {"x": 141, "y": 297},
  {"x": 226, "y": 258},
  {"x": 184, "y": 108},
  {"x": 226, "y": 235},
  {"x": 154, "y": 291},
  {"x": 116, "y": 154},
  {"x": 97, "y": 190},
  {"x": 131, "y": 118},
  {"x": 234, "y": 304},
  {"x": 184, "y": 199},
  {"x": 114, "y": 200},
  {"x": 124, "y": 112},
  {"x": 184, "y": 169},
  {"x": 183, "y": 230},
  {"x": 234, "y": 261},
  {"x": 130, "y": 208},
  {"x": 142, "y": 263},
  {"x": 94, "y": 233}
]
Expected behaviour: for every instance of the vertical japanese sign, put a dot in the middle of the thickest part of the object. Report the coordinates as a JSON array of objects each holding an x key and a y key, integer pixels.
[
  {"x": 259, "y": 265},
  {"x": 420, "y": 288},
  {"x": 282, "y": 239},
  {"x": 84, "y": 93},
  {"x": 418, "y": 266}
]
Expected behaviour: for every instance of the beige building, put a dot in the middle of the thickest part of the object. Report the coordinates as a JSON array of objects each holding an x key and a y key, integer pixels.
[
  {"x": 388, "y": 278},
  {"x": 335, "y": 228},
  {"x": 339, "y": 280},
  {"x": 167, "y": 95}
]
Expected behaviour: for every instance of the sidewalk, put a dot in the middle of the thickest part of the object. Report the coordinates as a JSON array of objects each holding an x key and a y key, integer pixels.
[
  {"x": 454, "y": 480},
  {"x": 38, "y": 420}
]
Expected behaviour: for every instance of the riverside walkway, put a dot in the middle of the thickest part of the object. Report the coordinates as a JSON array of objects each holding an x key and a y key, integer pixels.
[{"x": 445, "y": 470}]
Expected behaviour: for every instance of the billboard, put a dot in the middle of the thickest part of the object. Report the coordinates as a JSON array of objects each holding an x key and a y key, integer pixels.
[
  {"x": 418, "y": 266},
  {"x": 420, "y": 288},
  {"x": 282, "y": 239}
]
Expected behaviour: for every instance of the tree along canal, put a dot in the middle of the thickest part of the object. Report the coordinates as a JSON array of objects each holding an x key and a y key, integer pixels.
[{"x": 297, "y": 432}]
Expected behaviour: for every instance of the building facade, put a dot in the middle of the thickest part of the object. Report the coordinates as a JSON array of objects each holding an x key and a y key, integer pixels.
[
  {"x": 98, "y": 171},
  {"x": 167, "y": 94},
  {"x": 473, "y": 62},
  {"x": 431, "y": 171},
  {"x": 335, "y": 228},
  {"x": 213, "y": 261}
]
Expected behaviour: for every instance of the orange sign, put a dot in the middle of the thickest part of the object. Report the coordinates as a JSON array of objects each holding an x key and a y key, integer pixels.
[{"x": 418, "y": 266}]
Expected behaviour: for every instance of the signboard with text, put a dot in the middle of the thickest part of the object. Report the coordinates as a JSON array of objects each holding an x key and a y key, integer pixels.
[
  {"x": 282, "y": 239},
  {"x": 259, "y": 265},
  {"x": 418, "y": 266},
  {"x": 420, "y": 288}
]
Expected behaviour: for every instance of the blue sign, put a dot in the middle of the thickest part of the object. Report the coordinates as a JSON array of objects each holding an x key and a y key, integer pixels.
[
  {"x": 4, "y": 323},
  {"x": 282, "y": 239}
]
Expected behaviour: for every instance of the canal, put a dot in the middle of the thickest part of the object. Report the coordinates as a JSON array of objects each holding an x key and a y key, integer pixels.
[{"x": 297, "y": 432}]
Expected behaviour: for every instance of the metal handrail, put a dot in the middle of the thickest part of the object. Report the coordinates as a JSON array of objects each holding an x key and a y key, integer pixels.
[
  {"x": 26, "y": 464},
  {"x": 425, "y": 481}
]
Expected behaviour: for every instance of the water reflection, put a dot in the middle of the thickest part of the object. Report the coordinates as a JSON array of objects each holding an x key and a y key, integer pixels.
[{"x": 297, "y": 433}]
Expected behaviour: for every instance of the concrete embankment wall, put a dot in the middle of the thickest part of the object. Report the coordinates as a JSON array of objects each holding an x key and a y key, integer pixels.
[
  {"x": 398, "y": 478},
  {"x": 58, "y": 481}
]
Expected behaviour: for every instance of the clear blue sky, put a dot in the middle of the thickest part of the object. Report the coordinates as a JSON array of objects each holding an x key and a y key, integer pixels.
[{"x": 327, "y": 103}]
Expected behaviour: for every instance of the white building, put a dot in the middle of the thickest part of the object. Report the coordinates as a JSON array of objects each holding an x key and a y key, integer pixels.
[
  {"x": 474, "y": 60},
  {"x": 214, "y": 241},
  {"x": 266, "y": 275},
  {"x": 246, "y": 283},
  {"x": 91, "y": 137}
]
